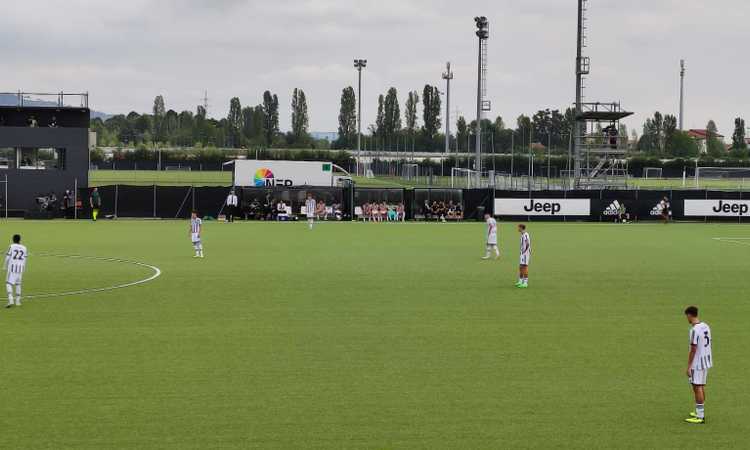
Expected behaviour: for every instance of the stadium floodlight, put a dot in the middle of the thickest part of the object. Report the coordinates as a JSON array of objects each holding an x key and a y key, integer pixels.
[
  {"x": 483, "y": 33},
  {"x": 359, "y": 64}
]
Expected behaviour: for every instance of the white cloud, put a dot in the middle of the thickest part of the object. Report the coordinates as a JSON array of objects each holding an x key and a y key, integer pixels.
[{"x": 125, "y": 53}]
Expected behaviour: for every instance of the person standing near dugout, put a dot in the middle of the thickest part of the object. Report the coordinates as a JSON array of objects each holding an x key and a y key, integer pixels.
[
  {"x": 95, "y": 200},
  {"x": 231, "y": 205}
]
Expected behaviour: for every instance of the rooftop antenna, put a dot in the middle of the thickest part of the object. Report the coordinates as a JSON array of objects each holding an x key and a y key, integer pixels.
[
  {"x": 682, "y": 93},
  {"x": 205, "y": 101}
]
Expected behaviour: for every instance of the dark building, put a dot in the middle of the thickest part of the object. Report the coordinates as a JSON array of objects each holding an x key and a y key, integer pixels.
[{"x": 44, "y": 148}]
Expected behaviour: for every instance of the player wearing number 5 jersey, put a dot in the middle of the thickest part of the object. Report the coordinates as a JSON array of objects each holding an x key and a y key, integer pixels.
[
  {"x": 15, "y": 263},
  {"x": 523, "y": 266},
  {"x": 699, "y": 361}
]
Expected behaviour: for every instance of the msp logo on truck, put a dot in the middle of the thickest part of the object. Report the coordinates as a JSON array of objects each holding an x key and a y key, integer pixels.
[{"x": 265, "y": 178}]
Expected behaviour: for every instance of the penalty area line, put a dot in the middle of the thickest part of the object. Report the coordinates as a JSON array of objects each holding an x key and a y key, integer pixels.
[{"x": 156, "y": 273}]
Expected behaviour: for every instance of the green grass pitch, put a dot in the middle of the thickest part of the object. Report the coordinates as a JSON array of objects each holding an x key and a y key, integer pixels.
[{"x": 373, "y": 336}]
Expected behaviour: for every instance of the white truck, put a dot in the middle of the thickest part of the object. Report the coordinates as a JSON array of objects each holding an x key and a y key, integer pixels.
[{"x": 259, "y": 173}]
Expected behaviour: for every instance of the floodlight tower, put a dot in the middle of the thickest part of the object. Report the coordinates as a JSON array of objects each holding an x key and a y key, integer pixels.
[
  {"x": 582, "y": 69},
  {"x": 447, "y": 76},
  {"x": 359, "y": 64},
  {"x": 682, "y": 93},
  {"x": 483, "y": 33}
]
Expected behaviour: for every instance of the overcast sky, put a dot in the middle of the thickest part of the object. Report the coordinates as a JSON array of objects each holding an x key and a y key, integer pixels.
[{"x": 126, "y": 52}]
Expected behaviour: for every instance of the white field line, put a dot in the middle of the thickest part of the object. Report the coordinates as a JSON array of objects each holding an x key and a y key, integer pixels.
[
  {"x": 156, "y": 273},
  {"x": 733, "y": 240}
]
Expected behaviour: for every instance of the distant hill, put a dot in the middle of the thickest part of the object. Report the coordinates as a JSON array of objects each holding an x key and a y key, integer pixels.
[
  {"x": 327, "y": 135},
  {"x": 12, "y": 100}
]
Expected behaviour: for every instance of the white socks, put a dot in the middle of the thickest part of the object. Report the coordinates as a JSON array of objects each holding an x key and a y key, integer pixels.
[
  {"x": 9, "y": 288},
  {"x": 699, "y": 411}
]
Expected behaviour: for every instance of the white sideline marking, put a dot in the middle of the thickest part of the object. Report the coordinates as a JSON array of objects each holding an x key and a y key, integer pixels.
[
  {"x": 734, "y": 240},
  {"x": 155, "y": 275}
]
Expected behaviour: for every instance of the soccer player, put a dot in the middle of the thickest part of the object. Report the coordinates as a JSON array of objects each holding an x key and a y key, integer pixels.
[
  {"x": 196, "y": 226},
  {"x": 699, "y": 361},
  {"x": 96, "y": 203},
  {"x": 523, "y": 267},
  {"x": 15, "y": 263},
  {"x": 491, "y": 237},
  {"x": 310, "y": 210},
  {"x": 666, "y": 210}
]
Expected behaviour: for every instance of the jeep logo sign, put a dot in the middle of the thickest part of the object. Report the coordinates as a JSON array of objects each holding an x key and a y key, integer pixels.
[
  {"x": 717, "y": 208},
  {"x": 542, "y": 207}
]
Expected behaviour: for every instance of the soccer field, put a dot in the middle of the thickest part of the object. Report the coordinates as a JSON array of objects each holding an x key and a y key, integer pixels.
[{"x": 372, "y": 336}]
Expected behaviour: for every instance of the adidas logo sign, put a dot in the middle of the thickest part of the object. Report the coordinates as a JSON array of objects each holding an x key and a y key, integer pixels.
[
  {"x": 656, "y": 210},
  {"x": 613, "y": 209}
]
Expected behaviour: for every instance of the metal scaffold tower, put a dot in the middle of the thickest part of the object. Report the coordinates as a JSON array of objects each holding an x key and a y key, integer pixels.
[{"x": 600, "y": 151}]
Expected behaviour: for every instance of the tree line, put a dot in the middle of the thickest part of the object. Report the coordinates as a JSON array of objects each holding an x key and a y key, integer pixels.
[
  {"x": 250, "y": 126},
  {"x": 258, "y": 127},
  {"x": 661, "y": 138}
]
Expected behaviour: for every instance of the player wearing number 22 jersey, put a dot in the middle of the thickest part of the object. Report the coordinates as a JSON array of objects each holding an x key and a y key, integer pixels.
[
  {"x": 15, "y": 263},
  {"x": 699, "y": 361}
]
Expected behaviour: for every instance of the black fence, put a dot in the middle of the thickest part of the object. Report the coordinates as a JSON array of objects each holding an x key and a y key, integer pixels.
[
  {"x": 163, "y": 202},
  {"x": 173, "y": 202}
]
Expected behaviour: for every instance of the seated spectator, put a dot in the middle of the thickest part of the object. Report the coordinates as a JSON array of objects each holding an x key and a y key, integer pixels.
[
  {"x": 451, "y": 210},
  {"x": 436, "y": 212},
  {"x": 373, "y": 212},
  {"x": 391, "y": 213},
  {"x": 254, "y": 210},
  {"x": 337, "y": 213},
  {"x": 320, "y": 211},
  {"x": 53, "y": 122},
  {"x": 365, "y": 212},
  {"x": 281, "y": 213},
  {"x": 427, "y": 210},
  {"x": 383, "y": 212},
  {"x": 401, "y": 212},
  {"x": 31, "y": 121}
]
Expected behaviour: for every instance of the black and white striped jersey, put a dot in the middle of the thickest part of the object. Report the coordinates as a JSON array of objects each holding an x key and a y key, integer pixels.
[
  {"x": 700, "y": 336},
  {"x": 15, "y": 259}
]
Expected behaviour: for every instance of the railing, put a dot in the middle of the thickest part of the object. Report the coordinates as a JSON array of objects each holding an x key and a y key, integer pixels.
[{"x": 51, "y": 100}]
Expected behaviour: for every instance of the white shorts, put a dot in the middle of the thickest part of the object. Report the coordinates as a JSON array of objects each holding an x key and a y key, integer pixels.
[
  {"x": 698, "y": 377},
  {"x": 492, "y": 240},
  {"x": 195, "y": 238},
  {"x": 311, "y": 217},
  {"x": 491, "y": 243},
  {"x": 525, "y": 258},
  {"x": 14, "y": 278}
]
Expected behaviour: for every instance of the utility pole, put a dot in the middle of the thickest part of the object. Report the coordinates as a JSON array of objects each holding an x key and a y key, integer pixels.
[
  {"x": 447, "y": 76},
  {"x": 483, "y": 33},
  {"x": 359, "y": 64},
  {"x": 682, "y": 93}
]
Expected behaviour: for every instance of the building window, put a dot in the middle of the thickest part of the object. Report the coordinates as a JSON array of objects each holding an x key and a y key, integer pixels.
[
  {"x": 7, "y": 158},
  {"x": 32, "y": 158}
]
